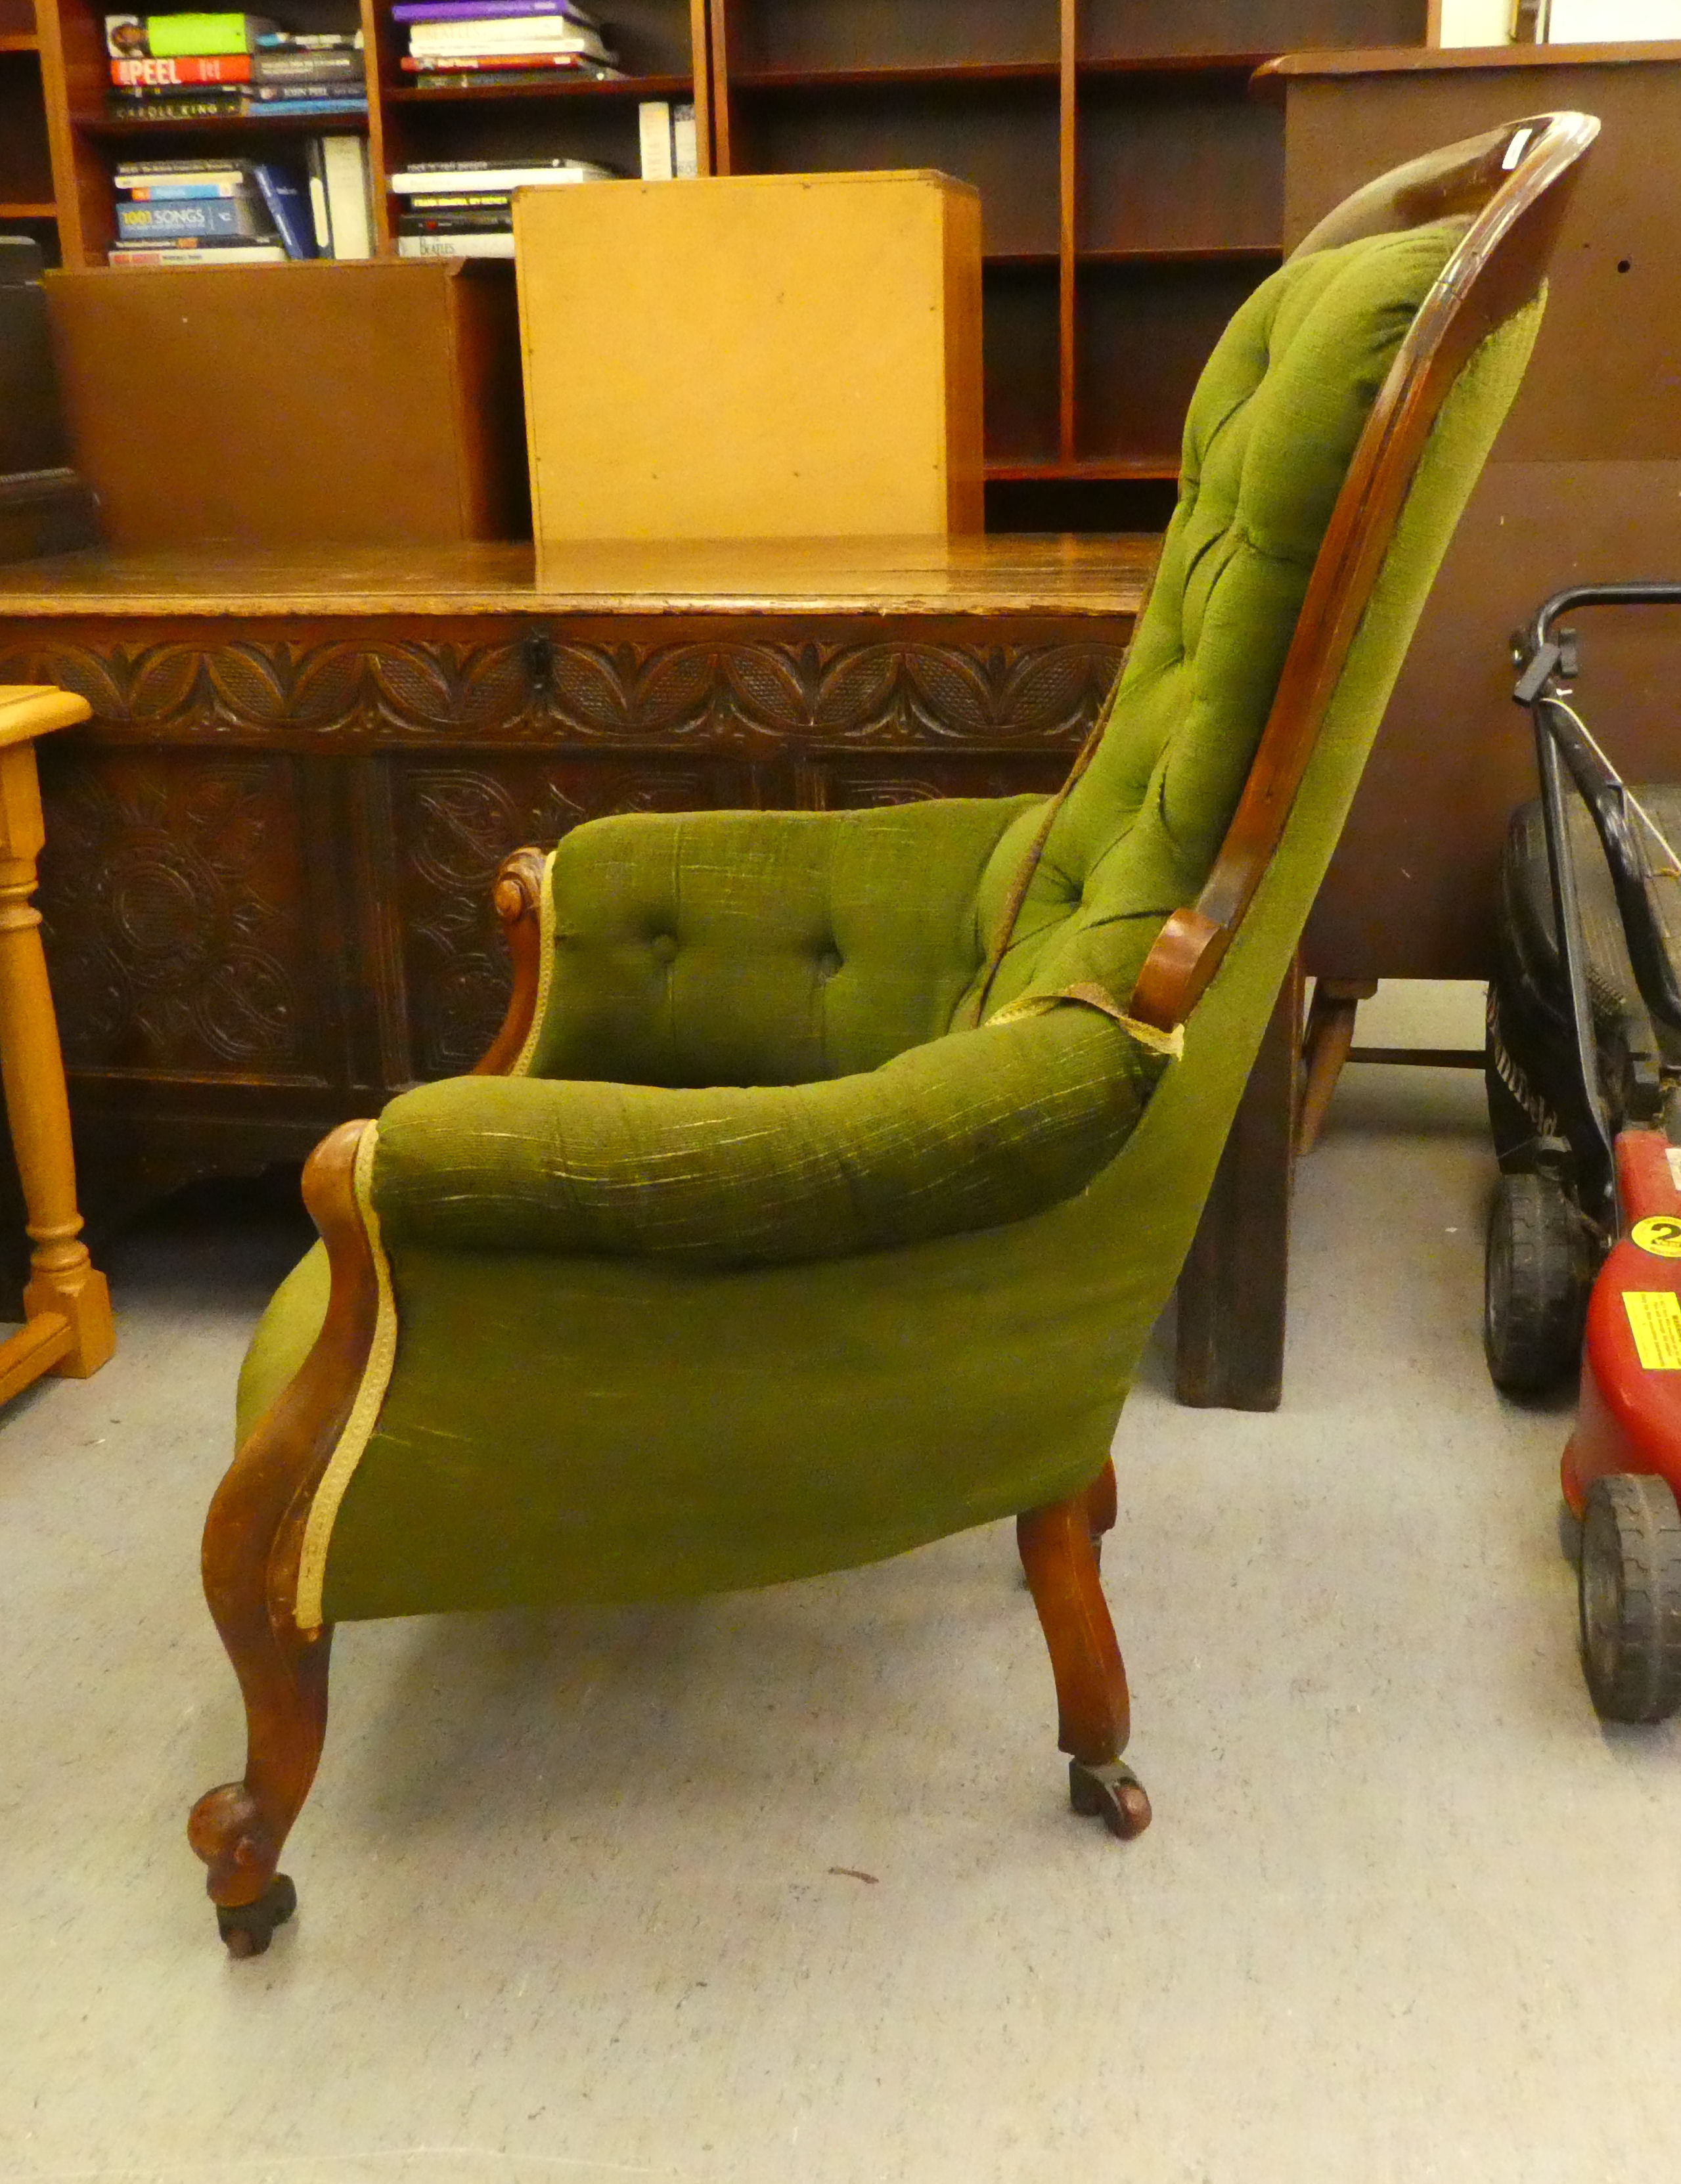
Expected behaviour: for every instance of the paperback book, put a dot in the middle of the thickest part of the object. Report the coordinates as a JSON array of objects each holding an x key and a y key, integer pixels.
[{"x": 163, "y": 38}]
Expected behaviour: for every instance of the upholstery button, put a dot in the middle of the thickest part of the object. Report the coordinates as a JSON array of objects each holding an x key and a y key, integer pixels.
[
  {"x": 665, "y": 947},
  {"x": 828, "y": 962}
]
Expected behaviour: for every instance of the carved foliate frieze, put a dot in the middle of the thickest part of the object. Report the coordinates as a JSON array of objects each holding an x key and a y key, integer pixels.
[
  {"x": 174, "y": 923},
  {"x": 751, "y": 695}
]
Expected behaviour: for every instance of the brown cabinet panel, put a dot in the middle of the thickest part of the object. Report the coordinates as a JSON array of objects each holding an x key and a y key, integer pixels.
[{"x": 178, "y": 915}]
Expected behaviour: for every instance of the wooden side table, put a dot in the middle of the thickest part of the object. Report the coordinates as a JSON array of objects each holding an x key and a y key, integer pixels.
[{"x": 67, "y": 1308}]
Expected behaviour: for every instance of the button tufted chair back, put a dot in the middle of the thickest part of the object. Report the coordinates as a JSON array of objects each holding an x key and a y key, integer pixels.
[{"x": 1268, "y": 440}]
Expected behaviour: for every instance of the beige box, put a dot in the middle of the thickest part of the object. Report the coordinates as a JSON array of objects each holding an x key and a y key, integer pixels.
[{"x": 753, "y": 356}]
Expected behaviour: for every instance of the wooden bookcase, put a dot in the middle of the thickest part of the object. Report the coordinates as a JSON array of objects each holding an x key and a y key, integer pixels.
[
  {"x": 1132, "y": 192},
  {"x": 1131, "y": 185},
  {"x": 55, "y": 84}
]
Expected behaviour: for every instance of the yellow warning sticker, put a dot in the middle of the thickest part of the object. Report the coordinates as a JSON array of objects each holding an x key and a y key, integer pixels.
[
  {"x": 1661, "y": 1235},
  {"x": 1655, "y": 1323}
]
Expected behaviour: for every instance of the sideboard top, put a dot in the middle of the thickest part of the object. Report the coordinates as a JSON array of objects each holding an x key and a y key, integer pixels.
[{"x": 1027, "y": 574}]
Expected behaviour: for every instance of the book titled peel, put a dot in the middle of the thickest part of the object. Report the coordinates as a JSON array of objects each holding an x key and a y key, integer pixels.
[
  {"x": 167, "y": 37},
  {"x": 261, "y": 68}
]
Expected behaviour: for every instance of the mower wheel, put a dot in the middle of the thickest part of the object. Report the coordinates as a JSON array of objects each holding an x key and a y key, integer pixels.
[
  {"x": 1538, "y": 1270},
  {"x": 1630, "y": 1595}
]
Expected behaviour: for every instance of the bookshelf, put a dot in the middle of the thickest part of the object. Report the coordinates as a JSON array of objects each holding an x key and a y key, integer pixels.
[
  {"x": 58, "y": 143},
  {"x": 1132, "y": 191},
  {"x": 1131, "y": 185}
]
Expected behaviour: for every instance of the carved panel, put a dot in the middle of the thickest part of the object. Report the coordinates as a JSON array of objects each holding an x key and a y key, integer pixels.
[
  {"x": 455, "y": 825},
  {"x": 174, "y": 907},
  {"x": 753, "y": 695}
]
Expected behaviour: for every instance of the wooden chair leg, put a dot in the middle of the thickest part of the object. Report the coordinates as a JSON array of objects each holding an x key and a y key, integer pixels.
[
  {"x": 239, "y": 1828},
  {"x": 1325, "y": 1049},
  {"x": 253, "y": 1541},
  {"x": 1093, "y": 1712}
]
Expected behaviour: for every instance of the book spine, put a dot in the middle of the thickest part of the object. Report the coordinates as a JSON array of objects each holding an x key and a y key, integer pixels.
[
  {"x": 318, "y": 197},
  {"x": 207, "y": 107},
  {"x": 685, "y": 145},
  {"x": 449, "y": 75},
  {"x": 173, "y": 192},
  {"x": 573, "y": 63},
  {"x": 537, "y": 37},
  {"x": 255, "y": 253},
  {"x": 148, "y": 223},
  {"x": 306, "y": 68},
  {"x": 343, "y": 95},
  {"x": 175, "y": 170},
  {"x": 164, "y": 75},
  {"x": 488, "y": 11},
  {"x": 344, "y": 165},
  {"x": 499, "y": 245},
  {"x": 164, "y": 37},
  {"x": 654, "y": 134},
  {"x": 288, "y": 209}
]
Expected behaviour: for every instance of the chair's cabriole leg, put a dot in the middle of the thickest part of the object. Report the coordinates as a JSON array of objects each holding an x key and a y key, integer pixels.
[
  {"x": 1093, "y": 1712},
  {"x": 252, "y": 1538}
]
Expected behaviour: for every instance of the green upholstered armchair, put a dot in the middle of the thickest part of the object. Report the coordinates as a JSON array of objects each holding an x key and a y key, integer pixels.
[{"x": 823, "y": 1186}]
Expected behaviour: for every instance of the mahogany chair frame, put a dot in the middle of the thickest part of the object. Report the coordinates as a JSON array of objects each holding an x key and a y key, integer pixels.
[{"x": 1512, "y": 184}]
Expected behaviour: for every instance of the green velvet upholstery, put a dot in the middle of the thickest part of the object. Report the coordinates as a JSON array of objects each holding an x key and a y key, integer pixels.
[{"x": 765, "y": 1269}]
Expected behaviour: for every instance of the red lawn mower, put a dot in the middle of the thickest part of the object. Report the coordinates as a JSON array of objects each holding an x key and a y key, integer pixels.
[{"x": 1584, "y": 1096}]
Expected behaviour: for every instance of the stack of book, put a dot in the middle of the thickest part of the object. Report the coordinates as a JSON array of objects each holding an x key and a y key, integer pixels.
[
  {"x": 243, "y": 212},
  {"x": 194, "y": 67},
  {"x": 456, "y": 45},
  {"x": 464, "y": 208},
  {"x": 202, "y": 212}
]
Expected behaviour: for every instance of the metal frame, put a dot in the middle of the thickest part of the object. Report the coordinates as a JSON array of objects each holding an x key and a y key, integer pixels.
[{"x": 1547, "y": 659}]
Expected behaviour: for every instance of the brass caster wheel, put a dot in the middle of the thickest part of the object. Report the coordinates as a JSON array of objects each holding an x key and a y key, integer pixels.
[
  {"x": 247, "y": 1928},
  {"x": 1110, "y": 1792}
]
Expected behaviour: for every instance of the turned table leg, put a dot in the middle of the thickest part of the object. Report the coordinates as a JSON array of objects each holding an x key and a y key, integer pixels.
[{"x": 67, "y": 1308}]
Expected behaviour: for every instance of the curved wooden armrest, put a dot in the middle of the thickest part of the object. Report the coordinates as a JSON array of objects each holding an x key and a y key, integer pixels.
[
  {"x": 1515, "y": 180},
  {"x": 518, "y": 896}
]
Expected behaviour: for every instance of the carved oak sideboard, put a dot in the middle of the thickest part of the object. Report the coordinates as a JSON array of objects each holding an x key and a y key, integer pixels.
[{"x": 267, "y": 892}]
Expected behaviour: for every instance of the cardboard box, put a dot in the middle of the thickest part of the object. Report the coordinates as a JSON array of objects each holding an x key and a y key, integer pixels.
[
  {"x": 357, "y": 402},
  {"x": 753, "y": 356}
]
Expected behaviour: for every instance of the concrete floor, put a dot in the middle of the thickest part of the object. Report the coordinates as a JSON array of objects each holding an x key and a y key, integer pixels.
[{"x": 584, "y": 1897}]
